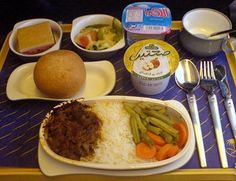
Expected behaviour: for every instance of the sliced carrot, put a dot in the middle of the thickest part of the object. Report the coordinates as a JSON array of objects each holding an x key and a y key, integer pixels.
[
  {"x": 158, "y": 147},
  {"x": 83, "y": 41},
  {"x": 183, "y": 133},
  {"x": 93, "y": 35},
  {"x": 162, "y": 154},
  {"x": 156, "y": 138},
  {"x": 174, "y": 149},
  {"x": 145, "y": 151}
]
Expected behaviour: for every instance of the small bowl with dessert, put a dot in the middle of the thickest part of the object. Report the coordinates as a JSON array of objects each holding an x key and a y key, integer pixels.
[
  {"x": 97, "y": 36},
  {"x": 30, "y": 39}
]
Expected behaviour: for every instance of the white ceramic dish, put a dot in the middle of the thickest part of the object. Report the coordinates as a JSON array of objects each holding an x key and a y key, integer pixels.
[
  {"x": 52, "y": 167},
  {"x": 202, "y": 22},
  {"x": 100, "y": 81},
  {"x": 176, "y": 110},
  {"x": 84, "y": 21},
  {"x": 198, "y": 24},
  {"x": 56, "y": 29}
]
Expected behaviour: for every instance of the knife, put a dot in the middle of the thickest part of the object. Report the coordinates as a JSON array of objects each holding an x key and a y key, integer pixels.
[{"x": 220, "y": 73}]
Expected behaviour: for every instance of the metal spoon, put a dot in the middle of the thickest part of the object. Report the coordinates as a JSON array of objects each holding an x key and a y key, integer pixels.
[
  {"x": 222, "y": 32},
  {"x": 220, "y": 72},
  {"x": 187, "y": 78},
  {"x": 205, "y": 36}
]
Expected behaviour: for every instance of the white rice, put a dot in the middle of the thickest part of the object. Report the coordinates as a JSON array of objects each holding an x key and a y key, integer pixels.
[{"x": 116, "y": 145}]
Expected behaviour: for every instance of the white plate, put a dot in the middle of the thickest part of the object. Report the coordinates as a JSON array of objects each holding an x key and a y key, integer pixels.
[
  {"x": 175, "y": 107},
  {"x": 100, "y": 80},
  {"x": 52, "y": 167}
]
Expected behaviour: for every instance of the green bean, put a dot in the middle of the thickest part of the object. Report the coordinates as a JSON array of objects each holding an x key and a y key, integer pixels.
[
  {"x": 147, "y": 139},
  {"x": 168, "y": 138},
  {"x": 157, "y": 107},
  {"x": 140, "y": 112},
  {"x": 154, "y": 129},
  {"x": 158, "y": 115},
  {"x": 141, "y": 127},
  {"x": 162, "y": 111},
  {"x": 145, "y": 122},
  {"x": 129, "y": 109},
  {"x": 144, "y": 105},
  {"x": 131, "y": 105},
  {"x": 163, "y": 126},
  {"x": 134, "y": 130}
]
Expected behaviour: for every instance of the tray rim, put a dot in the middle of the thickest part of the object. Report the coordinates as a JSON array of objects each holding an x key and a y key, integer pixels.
[
  {"x": 216, "y": 174},
  {"x": 35, "y": 174}
]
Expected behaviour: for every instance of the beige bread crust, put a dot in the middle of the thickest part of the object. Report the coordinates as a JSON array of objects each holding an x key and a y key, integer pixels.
[{"x": 60, "y": 74}]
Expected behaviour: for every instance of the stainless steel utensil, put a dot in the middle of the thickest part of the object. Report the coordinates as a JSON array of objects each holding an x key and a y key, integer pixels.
[
  {"x": 220, "y": 72},
  {"x": 215, "y": 34},
  {"x": 208, "y": 82},
  {"x": 222, "y": 32},
  {"x": 187, "y": 78}
]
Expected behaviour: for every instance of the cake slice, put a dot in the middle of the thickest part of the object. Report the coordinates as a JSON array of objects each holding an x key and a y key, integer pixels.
[{"x": 35, "y": 38}]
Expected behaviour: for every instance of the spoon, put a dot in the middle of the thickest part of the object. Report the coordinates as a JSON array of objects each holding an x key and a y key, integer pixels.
[
  {"x": 187, "y": 78},
  {"x": 220, "y": 73},
  {"x": 222, "y": 32},
  {"x": 205, "y": 36}
]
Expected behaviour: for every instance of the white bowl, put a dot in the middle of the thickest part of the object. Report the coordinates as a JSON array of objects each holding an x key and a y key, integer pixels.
[
  {"x": 173, "y": 107},
  {"x": 81, "y": 22},
  {"x": 198, "y": 24},
  {"x": 56, "y": 29},
  {"x": 204, "y": 21}
]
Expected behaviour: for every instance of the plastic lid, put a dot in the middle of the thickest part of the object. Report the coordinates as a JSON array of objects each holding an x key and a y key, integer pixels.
[
  {"x": 152, "y": 59},
  {"x": 147, "y": 18}
]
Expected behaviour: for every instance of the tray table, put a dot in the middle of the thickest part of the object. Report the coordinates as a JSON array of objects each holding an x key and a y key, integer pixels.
[{"x": 20, "y": 120}]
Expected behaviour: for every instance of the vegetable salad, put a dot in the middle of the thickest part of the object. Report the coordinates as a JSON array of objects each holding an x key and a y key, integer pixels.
[{"x": 100, "y": 36}]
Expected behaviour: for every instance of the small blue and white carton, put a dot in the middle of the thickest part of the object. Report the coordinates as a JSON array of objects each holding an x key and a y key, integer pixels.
[{"x": 145, "y": 20}]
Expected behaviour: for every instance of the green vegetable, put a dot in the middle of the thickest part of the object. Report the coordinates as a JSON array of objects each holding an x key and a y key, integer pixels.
[
  {"x": 140, "y": 124},
  {"x": 157, "y": 107},
  {"x": 165, "y": 127},
  {"x": 116, "y": 24},
  {"x": 159, "y": 115},
  {"x": 134, "y": 130},
  {"x": 168, "y": 138},
  {"x": 154, "y": 129},
  {"x": 132, "y": 113},
  {"x": 144, "y": 105},
  {"x": 139, "y": 111},
  {"x": 129, "y": 109},
  {"x": 147, "y": 139}
]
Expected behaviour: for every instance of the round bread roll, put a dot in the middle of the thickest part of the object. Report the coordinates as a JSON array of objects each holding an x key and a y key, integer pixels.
[{"x": 60, "y": 74}]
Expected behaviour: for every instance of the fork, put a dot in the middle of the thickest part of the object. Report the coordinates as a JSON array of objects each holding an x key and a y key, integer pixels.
[{"x": 209, "y": 83}]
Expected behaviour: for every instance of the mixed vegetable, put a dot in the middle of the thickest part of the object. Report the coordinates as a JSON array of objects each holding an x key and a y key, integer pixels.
[
  {"x": 100, "y": 36},
  {"x": 155, "y": 134}
]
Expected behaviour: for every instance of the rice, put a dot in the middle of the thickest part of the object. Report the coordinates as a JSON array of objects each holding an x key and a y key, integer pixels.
[{"x": 116, "y": 145}]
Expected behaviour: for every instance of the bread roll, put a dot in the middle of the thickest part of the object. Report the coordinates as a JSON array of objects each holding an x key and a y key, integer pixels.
[{"x": 60, "y": 74}]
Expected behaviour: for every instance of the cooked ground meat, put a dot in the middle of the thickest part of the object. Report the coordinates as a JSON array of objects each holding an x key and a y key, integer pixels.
[{"x": 73, "y": 130}]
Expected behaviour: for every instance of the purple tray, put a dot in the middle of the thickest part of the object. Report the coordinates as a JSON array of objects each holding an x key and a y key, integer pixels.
[{"x": 20, "y": 120}]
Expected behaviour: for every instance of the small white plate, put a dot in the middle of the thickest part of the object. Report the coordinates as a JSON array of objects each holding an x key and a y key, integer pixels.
[
  {"x": 100, "y": 80},
  {"x": 51, "y": 166}
]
